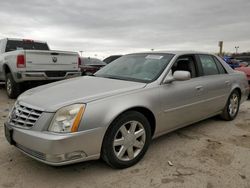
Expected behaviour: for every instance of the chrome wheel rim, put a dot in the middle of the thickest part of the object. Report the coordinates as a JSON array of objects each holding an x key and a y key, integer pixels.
[
  {"x": 233, "y": 104},
  {"x": 9, "y": 86},
  {"x": 129, "y": 141}
]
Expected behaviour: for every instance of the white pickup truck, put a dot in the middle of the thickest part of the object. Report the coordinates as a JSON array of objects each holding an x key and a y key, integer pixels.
[{"x": 28, "y": 60}]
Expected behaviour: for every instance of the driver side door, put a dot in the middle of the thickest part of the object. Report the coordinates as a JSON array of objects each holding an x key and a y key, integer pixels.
[{"x": 182, "y": 101}]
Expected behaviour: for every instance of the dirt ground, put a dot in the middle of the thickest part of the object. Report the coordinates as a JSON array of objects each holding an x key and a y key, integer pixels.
[{"x": 212, "y": 153}]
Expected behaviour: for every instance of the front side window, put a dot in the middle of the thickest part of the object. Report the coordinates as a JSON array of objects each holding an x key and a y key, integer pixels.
[
  {"x": 185, "y": 63},
  {"x": 142, "y": 67},
  {"x": 208, "y": 65}
]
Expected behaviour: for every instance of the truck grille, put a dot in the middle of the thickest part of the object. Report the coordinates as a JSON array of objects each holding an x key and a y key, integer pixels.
[
  {"x": 55, "y": 73},
  {"x": 23, "y": 116}
]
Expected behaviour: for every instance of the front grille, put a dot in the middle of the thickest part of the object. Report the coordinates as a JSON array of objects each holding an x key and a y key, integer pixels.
[
  {"x": 23, "y": 116},
  {"x": 55, "y": 73},
  {"x": 36, "y": 154}
]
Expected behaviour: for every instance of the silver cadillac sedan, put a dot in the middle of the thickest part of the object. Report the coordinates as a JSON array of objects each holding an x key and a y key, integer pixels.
[{"x": 115, "y": 113}]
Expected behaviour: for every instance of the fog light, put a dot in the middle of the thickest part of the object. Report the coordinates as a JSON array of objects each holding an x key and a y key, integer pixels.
[
  {"x": 55, "y": 158},
  {"x": 66, "y": 157},
  {"x": 75, "y": 155}
]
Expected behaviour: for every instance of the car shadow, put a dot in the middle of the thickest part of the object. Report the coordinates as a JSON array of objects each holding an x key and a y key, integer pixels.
[
  {"x": 101, "y": 167},
  {"x": 2, "y": 85}
]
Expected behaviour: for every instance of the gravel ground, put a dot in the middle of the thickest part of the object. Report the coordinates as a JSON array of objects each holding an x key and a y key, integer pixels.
[{"x": 211, "y": 153}]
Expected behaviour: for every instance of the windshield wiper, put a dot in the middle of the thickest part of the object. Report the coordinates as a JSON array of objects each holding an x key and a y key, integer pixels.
[
  {"x": 121, "y": 78},
  {"x": 112, "y": 77}
]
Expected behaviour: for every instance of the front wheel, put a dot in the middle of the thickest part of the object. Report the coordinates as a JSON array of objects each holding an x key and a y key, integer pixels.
[
  {"x": 232, "y": 107},
  {"x": 126, "y": 140}
]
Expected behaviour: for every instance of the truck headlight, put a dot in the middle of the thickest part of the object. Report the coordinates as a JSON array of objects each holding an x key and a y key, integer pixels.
[{"x": 67, "y": 119}]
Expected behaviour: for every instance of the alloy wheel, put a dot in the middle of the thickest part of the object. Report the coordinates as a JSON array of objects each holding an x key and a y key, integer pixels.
[
  {"x": 233, "y": 104},
  {"x": 129, "y": 140}
]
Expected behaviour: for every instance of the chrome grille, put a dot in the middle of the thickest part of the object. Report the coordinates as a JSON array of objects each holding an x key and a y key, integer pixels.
[{"x": 23, "y": 116}]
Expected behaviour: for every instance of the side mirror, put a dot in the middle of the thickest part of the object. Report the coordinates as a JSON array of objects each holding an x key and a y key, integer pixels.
[
  {"x": 178, "y": 76},
  {"x": 181, "y": 75}
]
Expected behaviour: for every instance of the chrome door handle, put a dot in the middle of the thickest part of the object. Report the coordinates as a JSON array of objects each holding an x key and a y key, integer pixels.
[
  {"x": 199, "y": 88},
  {"x": 227, "y": 82}
]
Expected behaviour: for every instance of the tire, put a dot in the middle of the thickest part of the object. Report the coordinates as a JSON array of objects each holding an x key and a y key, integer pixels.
[
  {"x": 232, "y": 107},
  {"x": 12, "y": 88},
  {"x": 121, "y": 139}
]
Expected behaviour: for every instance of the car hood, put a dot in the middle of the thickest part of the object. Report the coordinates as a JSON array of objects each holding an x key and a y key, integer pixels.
[{"x": 85, "y": 89}]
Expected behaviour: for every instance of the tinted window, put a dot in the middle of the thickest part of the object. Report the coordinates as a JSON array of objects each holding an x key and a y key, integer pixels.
[
  {"x": 220, "y": 67},
  {"x": 92, "y": 61},
  {"x": 208, "y": 65},
  {"x": 136, "y": 67},
  {"x": 111, "y": 58},
  {"x": 25, "y": 45}
]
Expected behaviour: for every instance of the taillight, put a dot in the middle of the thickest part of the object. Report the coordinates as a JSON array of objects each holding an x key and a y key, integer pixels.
[
  {"x": 20, "y": 61},
  {"x": 79, "y": 62}
]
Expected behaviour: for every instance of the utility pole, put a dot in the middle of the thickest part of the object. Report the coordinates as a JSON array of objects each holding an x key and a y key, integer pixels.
[
  {"x": 236, "y": 49},
  {"x": 221, "y": 47},
  {"x": 81, "y": 52}
]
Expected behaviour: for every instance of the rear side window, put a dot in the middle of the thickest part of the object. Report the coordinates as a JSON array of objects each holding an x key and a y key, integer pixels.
[
  {"x": 208, "y": 65},
  {"x": 13, "y": 45},
  {"x": 220, "y": 67}
]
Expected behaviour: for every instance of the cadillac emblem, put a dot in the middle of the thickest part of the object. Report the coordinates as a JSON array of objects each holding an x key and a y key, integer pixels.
[{"x": 15, "y": 113}]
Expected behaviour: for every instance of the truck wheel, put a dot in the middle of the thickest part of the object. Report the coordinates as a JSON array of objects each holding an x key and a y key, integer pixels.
[
  {"x": 12, "y": 88},
  {"x": 126, "y": 140},
  {"x": 232, "y": 107}
]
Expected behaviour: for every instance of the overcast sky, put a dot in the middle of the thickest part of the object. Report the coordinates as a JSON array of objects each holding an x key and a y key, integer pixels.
[{"x": 105, "y": 27}]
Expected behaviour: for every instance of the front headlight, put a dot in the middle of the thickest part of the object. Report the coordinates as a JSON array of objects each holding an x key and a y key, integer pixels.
[{"x": 67, "y": 119}]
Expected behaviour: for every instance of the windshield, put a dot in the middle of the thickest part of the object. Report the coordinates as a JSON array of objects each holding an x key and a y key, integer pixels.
[
  {"x": 136, "y": 67},
  {"x": 13, "y": 45}
]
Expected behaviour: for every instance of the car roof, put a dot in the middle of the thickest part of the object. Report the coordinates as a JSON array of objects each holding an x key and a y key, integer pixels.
[
  {"x": 21, "y": 39},
  {"x": 173, "y": 52}
]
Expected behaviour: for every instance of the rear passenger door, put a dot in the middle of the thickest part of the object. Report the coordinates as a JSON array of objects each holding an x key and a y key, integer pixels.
[{"x": 216, "y": 83}]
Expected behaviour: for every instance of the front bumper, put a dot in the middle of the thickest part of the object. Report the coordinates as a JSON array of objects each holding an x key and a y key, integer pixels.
[
  {"x": 40, "y": 76},
  {"x": 57, "y": 149}
]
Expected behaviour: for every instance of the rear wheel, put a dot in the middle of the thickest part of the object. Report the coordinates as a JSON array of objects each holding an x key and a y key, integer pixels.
[
  {"x": 12, "y": 88},
  {"x": 232, "y": 107},
  {"x": 126, "y": 140}
]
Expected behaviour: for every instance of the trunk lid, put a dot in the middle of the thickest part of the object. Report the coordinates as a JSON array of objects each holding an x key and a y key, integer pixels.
[{"x": 42, "y": 60}]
